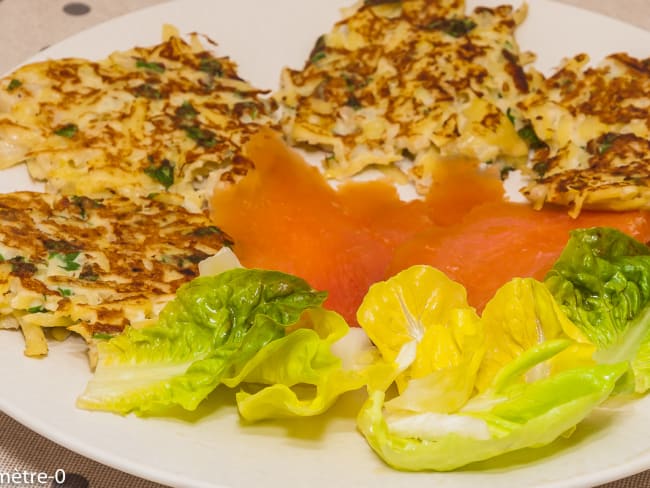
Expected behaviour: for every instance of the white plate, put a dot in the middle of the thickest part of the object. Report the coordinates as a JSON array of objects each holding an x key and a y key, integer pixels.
[{"x": 210, "y": 447}]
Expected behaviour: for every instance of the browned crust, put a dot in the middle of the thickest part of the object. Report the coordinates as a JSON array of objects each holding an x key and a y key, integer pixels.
[{"x": 128, "y": 252}]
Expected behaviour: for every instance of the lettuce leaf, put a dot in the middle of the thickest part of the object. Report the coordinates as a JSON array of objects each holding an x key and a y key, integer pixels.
[
  {"x": 212, "y": 328},
  {"x": 521, "y": 315},
  {"x": 530, "y": 364},
  {"x": 509, "y": 415},
  {"x": 420, "y": 319},
  {"x": 641, "y": 365},
  {"x": 602, "y": 282},
  {"x": 303, "y": 373}
]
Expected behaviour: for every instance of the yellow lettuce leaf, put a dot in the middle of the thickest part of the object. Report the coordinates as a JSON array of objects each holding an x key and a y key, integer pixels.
[
  {"x": 521, "y": 315},
  {"x": 420, "y": 319}
]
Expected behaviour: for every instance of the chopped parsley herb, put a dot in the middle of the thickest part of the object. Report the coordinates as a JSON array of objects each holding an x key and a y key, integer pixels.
[
  {"x": 206, "y": 231},
  {"x": 79, "y": 203},
  {"x": 147, "y": 91},
  {"x": 249, "y": 108},
  {"x": 564, "y": 82},
  {"x": 527, "y": 133},
  {"x": 505, "y": 171},
  {"x": 453, "y": 27},
  {"x": 186, "y": 111},
  {"x": 408, "y": 154},
  {"x": 211, "y": 66},
  {"x": 152, "y": 196},
  {"x": 37, "y": 309},
  {"x": 150, "y": 66},
  {"x": 13, "y": 84},
  {"x": 65, "y": 292},
  {"x": 102, "y": 336},
  {"x": 203, "y": 137},
  {"x": 353, "y": 102},
  {"x": 349, "y": 82},
  {"x": 67, "y": 130},
  {"x": 85, "y": 203},
  {"x": 352, "y": 83},
  {"x": 540, "y": 168},
  {"x": 197, "y": 257},
  {"x": 318, "y": 51},
  {"x": 68, "y": 260},
  {"x": 164, "y": 173},
  {"x": 511, "y": 117},
  {"x": 253, "y": 112},
  {"x": 317, "y": 57},
  {"x": 606, "y": 142},
  {"x": 211, "y": 230}
]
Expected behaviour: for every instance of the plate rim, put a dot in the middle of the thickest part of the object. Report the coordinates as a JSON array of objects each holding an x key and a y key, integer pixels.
[{"x": 635, "y": 466}]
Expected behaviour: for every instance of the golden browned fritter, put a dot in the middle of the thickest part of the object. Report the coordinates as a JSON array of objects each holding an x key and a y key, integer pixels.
[
  {"x": 591, "y": 132},
  {"x": 415, "y": 80},
  {"x": 95, "y": 265},
  {"x": 168, "y": 118}
]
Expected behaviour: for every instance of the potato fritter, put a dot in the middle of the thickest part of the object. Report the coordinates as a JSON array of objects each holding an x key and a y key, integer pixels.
[
  {"x": 592, "y": 132},
  {"x": 168, "y": 118},
  {"x": 412, "y": 80},
  {"x": 95, "y": 265}
]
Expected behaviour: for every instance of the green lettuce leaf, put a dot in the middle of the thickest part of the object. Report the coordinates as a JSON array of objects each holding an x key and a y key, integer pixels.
[
  {"x": 641, "y": 365},
  {"x": 602, "y": 282},
  {"x": 303, "y": 373},
  {"x": 509, "y": 415},
  {"x": 213, "y": 327}
]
